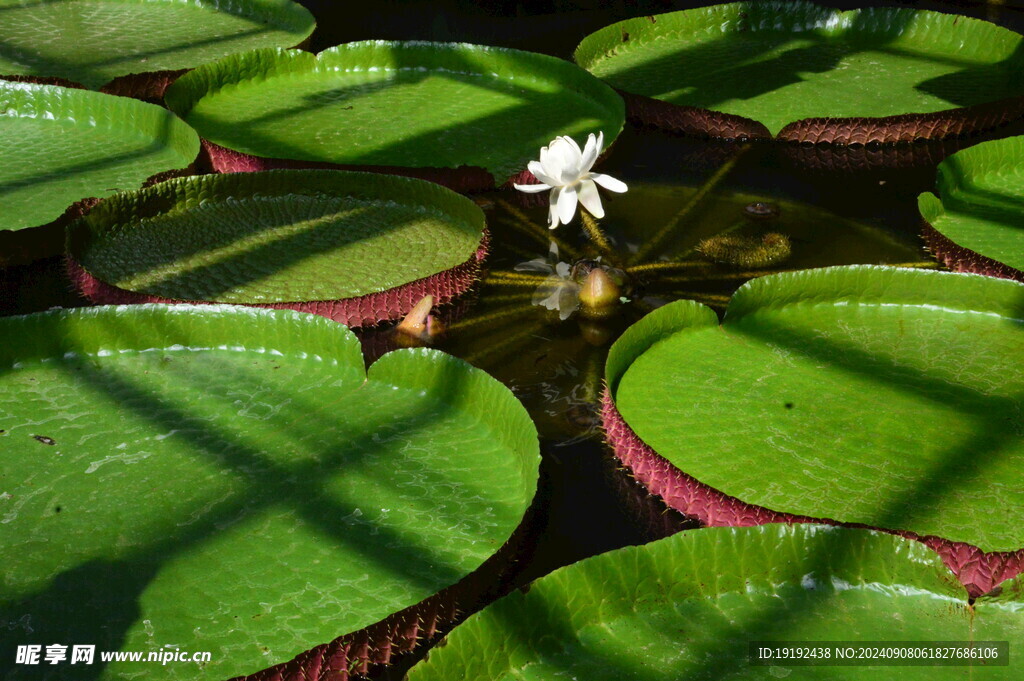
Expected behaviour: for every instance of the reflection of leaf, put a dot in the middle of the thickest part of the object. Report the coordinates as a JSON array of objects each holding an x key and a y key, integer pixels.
[
  {"x": 781, "y": 62},
  {"x": 273, "y": 494},
  {"x": 688, "y": 607},
  {"x": 456, "y": 103},
  {"x": 981, "y": 204},
  {"x": 871, "y": 395}
]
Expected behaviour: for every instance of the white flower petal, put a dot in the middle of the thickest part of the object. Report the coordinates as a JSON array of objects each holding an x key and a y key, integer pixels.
[
  {"x": 553, "y": 207},
  {"x": 592, "y": 151},
  {"x": 590, "y": 199},
  {"x": 538, "y": 171},
  {"x": 549, "y": 164},
  {"x": 546, "y": 297},
  {"x": 609, "y": 182},
  {"x": 565, "y": 170},
  {"x": 567, "y": 204},
  {"x": 568, "y": 300},
  {"x": 558, "y": 296},
  {"x": 563, "y": 269},
  {"x": 556, "y": 158},
  {"x": 531, "y": 188},
  {"x": 571, "y": 142},
  {"x": 570, "y": 176},
  {"x": 566, "y": 156},
  {"x": 548, "y": 292},
  {"x": 536, "y": 265}
]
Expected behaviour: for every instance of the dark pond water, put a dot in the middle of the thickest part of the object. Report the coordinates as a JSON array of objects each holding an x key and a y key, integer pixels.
[{"x": 682, "y": 192}]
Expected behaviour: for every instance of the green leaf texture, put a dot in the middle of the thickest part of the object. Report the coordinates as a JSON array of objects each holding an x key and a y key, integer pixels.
[
  {"x": 779, "y": 62},
  {"x": 688, "y": 606},
  {"x": 413, "y": 104},
  {"x": 277, "y": 236},
  {"x": 982, "y": 200},
  {"x": 863, "y": 394},
  {"x": 62, "y": 145},
  {"x": 230, "y": 480},
  {"x": 93, "y": 41}
]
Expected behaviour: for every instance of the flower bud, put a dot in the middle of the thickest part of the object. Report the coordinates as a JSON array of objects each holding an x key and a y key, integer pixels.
[
  {"x": 419, "y": 326},
  {"x": 599, "y": 294}
]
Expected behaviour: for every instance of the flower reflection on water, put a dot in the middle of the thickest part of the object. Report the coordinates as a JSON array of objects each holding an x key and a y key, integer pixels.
[{"x": 526, "y": 324}]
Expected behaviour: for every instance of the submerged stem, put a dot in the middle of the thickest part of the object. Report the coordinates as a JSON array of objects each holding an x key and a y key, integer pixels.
[
  {"x": 495, "y": 351},
  {"x": 519, "y": 251},
  {"x": 753, "y": 274},
  {"x": 669, "y": 228},
  {"x": 921, "y": 265},
  {"x": 521, "y": 222},
  {"x": 718, "y": 276},
  {"x": 665, "y": 267},
  {"x": 492, "y": 319},
  {"x": 592, "y": 378},
  {"x": 509, "y": 278},
  {"x": 712, "y": 299},
  {"x": 593, "y": 230},
  {"x": 511, "y": 298}
]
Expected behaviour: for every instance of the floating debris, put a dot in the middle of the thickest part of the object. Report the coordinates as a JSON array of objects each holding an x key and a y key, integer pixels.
[{"x": 761, "y": 210}]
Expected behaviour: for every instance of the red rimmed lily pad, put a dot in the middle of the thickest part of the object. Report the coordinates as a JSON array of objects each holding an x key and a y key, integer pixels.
[
  {"x": 977, "y": 222},
  {"x": 358, "y": 248},
  {"x": 67, "y": 148},
  {"x": 873, "y": 396},
  {"x": 699, "y": 605},
  {"x": 801, "y": 72},
  {"x": 470, "y": 116},
  {"x": 234, "y": 481},
  {"x": 133, "y": 47}
]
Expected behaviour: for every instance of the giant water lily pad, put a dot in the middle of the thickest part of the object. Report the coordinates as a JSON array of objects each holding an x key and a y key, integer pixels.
[
  {"x": 370, "y": 244},
  {"x": 786, "y": 67},
  {"x": 977, "y": 223},
  {"x": 690, "y": 606},
  {"x": 94, "y": 41},
  {"x": 861, "y": 394},
  {"x": 61, "y": 145},
  {"x": 231, "y": 480},
  {"x": 551, "y": 373},
  {"x": 414, "y": 104}
]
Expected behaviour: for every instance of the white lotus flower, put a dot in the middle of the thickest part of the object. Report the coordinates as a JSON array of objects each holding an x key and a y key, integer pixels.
[{"x": 565, "y": 170}]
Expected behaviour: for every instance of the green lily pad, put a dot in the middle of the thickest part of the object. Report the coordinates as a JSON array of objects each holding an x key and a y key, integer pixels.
[
  {"x": 277, "y": 236},
  {"x": 457, "y": 104},
  {"x": 981, "y": 210},
  {"x": 689, "y": 606},
  {"x": 232, "y": 480},
  {"x": 863, "y": 394},
  {"x": 782, "y": 62},
  {"x": 64, "y": 145},
  {"x": 94, "y": 41}
]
